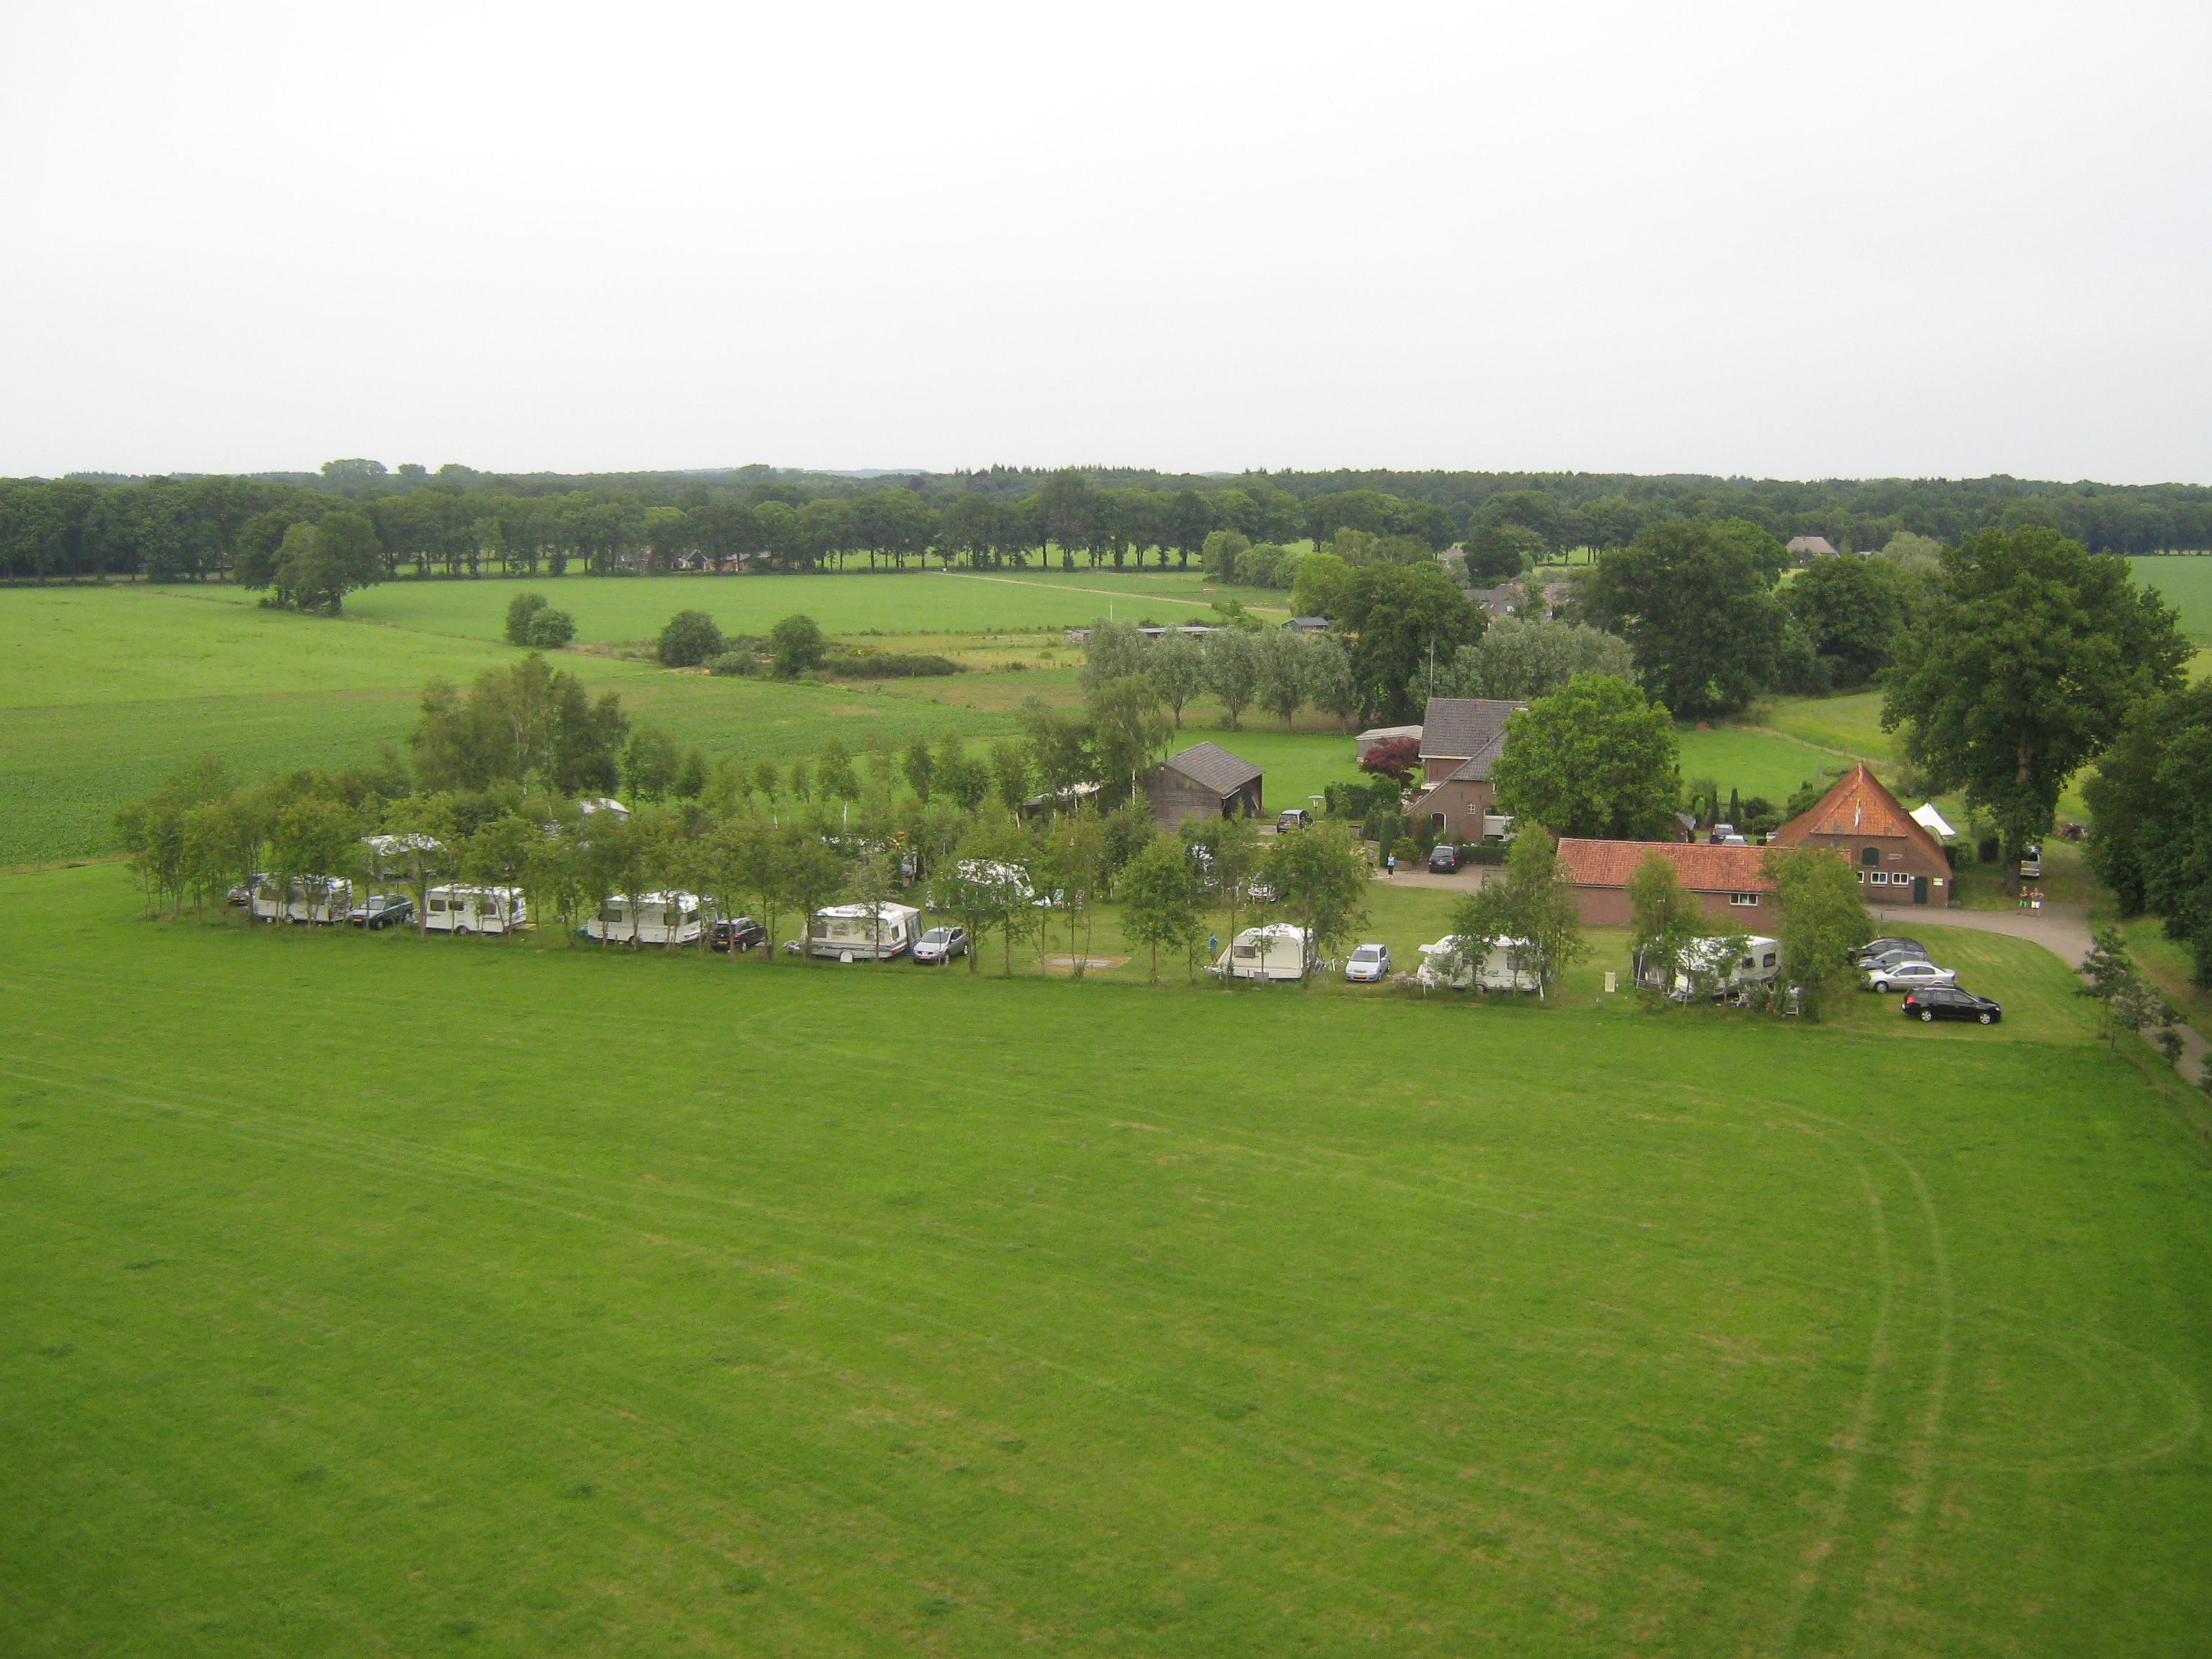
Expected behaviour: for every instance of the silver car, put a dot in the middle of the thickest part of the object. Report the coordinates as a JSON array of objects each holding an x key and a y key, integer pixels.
[
  {"x": 941, "y": 945},
  {"x": 1909, "y": 976},
  {"x": 1370, "y": 964}
]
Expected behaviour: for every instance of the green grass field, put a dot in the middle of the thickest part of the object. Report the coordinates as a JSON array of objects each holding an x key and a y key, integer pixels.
[
  {"x": 370, "y": 1296},
  {"x": 2186, "y": 583},
  {"x": 909, "y": 602}
]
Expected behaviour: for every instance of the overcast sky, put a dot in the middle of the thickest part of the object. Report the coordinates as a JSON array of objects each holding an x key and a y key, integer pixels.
[{"x": 1762, "y": 239}]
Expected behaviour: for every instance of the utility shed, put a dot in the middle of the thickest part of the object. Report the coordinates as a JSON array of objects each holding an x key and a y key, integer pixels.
[{"x": 1204, "y": 781}]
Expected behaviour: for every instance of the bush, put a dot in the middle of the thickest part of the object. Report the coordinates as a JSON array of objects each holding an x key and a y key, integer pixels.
[
  {"x": 690, "y": 639},
  {"x": 797, "y": 644},
  {"x": 550, "y": 629},
  {"x": 1483, "y": 852},
  {"x": 889, "y": 665},
  {"x": 520, "y": 610},
  {"x": 1988, "y": 850},
  {"x": 733, "y": 665}
]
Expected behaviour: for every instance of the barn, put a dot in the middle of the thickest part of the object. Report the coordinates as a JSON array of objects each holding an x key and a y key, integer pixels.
[{"x": 1203, "y": 781}]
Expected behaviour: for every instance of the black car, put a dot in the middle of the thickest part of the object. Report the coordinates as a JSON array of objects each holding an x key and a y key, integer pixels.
[
  {"x": 742, "y": 931},
  {"x": 1901, "y": 949},
  {"x": 381, "y": 910},
  {"x": 1443, "y": 858},
  {"x": 1933, "y": 1002}
]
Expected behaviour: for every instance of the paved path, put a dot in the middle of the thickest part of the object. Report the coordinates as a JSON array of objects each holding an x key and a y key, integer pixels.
[{"x": 2060, "y": 929}]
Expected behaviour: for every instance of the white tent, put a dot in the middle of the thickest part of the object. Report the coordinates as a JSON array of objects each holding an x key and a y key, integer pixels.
[{"x": 1930, "y": 819}]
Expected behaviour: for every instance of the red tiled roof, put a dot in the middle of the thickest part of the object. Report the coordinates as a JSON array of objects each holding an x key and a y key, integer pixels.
[
  {"x": 1857, "y": 805},
  {"x": 1701, "y": 868}
]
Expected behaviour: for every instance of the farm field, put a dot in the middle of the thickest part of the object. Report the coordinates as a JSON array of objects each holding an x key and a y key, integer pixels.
[
  {"x": 107, "y": 689},
  {"x": 632, "y": 1305},
  {"x": 887, "y": 602},
  {"x": 2186, "y": 583}
]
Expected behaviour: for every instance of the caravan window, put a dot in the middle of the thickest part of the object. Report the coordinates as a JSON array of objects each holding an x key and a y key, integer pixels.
[
  {"x": 1768, "y": 961},
  {"x": 1244, "y": 952},
  {"x": 437, "y": 906},
  {"x": 611, "y": 912}
]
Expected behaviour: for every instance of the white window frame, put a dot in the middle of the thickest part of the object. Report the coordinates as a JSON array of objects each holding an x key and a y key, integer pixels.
[{"x": 1744, "y": 901}]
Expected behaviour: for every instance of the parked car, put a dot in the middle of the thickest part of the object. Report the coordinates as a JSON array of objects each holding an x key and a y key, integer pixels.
[
  {"x": 742, "y": 932},
  {"x": 381, "y": 910},
  {"x": 940, "y": 945},
  {"x": 2030, "y": 862},
  {"x": 1866, "y": 954},
  {"x": 1949, "y": 1002},
  {"x": 1292, "y": 818},
  {"x": 1370, "y": 964},
  {"x": 243, "y": 895},
  {"x": 1443, "y": 858},
  {"x": 1909, "y": 976},
  {"x": 1891, "y": 959}
]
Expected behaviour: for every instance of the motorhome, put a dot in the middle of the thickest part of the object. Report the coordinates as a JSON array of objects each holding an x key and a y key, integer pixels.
[
  {"x": 861, "y": 933},
  {"x": 1483, "y": 965},
  {"x": 318, "y": 899},
  {"x": 475, "y": 910},
  {"x": 1709, "y": 959},
  {"x": 1277, "y": 950},
  {"x": 647, "y": 919}
]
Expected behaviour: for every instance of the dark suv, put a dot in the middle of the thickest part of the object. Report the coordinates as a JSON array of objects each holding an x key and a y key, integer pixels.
[
  {"x": 1443, "y": 858},
  {"x": 742, "y": 931},
  {"x": 381, "y": 910},
  {"x": 1932, "y": 1002}
]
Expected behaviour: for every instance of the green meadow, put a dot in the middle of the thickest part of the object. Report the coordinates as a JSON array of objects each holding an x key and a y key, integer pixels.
[
  {"x": 370, "y": 1295},
  {"x": 851, "y": 602},
  {"x": 2186, "y": 583}
]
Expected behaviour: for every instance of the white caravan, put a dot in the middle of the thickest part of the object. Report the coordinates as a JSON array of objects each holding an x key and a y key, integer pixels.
[
  {"x": 320, "y": 899},
  {"x": 1491, "y": 969},
  {"x": 475, "y": 910},
  {"x": 863, "y": 932},
  {"x": 1760, "y": 958},
  {"x": 647, "y": 919},
  {"x": 1277, "y": 950}
]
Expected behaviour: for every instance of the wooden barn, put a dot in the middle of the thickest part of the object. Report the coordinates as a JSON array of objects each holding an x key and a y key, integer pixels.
[{"x": 1203, "y": 781}]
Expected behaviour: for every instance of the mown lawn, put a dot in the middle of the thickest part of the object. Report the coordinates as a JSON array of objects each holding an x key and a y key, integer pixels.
[
  {"x": 2186, "y": 583},
  {"x": 366, "y": 1296}
]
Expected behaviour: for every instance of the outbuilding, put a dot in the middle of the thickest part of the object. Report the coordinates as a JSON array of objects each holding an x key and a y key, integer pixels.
[
  {"x": 1203, "y": 781},
  {"x": 1730, "y": 883}
]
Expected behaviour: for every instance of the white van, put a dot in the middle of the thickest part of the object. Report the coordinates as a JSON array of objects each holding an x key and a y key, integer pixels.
[
  {"x": 475, "y": 910},
  {"x": 1277, "y": 950},
  {"x": 320, "y": 899},
  {"x": 647, "y": 919},
  {"x": 862, "y": 932},
  {"x": 1492, "y": 970}
]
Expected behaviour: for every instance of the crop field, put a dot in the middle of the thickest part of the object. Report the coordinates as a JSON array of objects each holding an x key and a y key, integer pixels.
[
  {"x": 2186, "y": 583},
  {"x": 371, "y": 1296},
  {"x": 887, "y": 602}
]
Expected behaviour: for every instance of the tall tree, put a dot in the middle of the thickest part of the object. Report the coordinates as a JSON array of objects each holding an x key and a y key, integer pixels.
[
  {"x": 1852, "y": 611},
  {"x": 1594, "y": 758},
  {"x": 1162, "y": 903},
  {"x": 1532, "y": 909},
  {"x": 1696, "y": 609},
  {"x": 1824, "y": 919},
  {"x": 1320, "y": 880},
  {"x": 2151, "y": 828},
  {"x": 2034, "y": 656},
  {"x": 1404, "y": 620},
  {"x": 1232, "y": 671}
]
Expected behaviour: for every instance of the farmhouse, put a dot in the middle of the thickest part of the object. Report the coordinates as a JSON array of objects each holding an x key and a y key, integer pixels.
[
  {"x": 1203, "y": 781},
  {"x": 1810, "y": 547},
  {"x": 1897, "y": 860},
  {"x": 1460, "y": 737},
  {"x": 1730, "y": 885}
]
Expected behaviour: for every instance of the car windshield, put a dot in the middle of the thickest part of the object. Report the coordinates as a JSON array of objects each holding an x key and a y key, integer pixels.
[
  {"x": 1368, "y": 953},
  {"x": 935, "y": 936}
]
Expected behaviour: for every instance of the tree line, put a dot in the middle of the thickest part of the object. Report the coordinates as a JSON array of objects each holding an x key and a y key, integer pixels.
[{"x": 459, "y": 522}]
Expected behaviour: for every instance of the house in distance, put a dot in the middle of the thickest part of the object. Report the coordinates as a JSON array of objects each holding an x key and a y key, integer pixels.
[
  {"x": 1460, "y": 737},
  {"x": 1203, "y": 781}
]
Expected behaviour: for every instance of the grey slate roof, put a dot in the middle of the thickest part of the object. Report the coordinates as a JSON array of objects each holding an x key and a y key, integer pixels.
[
  {"x": 1464, "y": 728},
  {"x": 1210, "y": 764}
]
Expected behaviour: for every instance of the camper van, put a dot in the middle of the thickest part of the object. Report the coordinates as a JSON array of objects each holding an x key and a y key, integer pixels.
[
  {"x": 1759, "y": 959},
  {"x": 1277, "y": 950},
  {"x": 647, "y": 919},
  {"x": 475, "y": 910},
  {"x": 320, "y": 899},
  {"x": 1491, "y": 970},
  {"x": 863, "y": 932}
]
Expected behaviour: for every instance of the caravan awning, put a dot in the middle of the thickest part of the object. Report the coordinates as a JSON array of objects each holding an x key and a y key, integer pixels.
[{"x": 1930, "y": 819}]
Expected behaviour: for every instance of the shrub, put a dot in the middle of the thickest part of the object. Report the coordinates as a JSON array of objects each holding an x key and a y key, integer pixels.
[
  {"x": 1988, "y": 850},
  {"x": 690, "y": 639},
  {"x": 889, "y": 665},
  {"x": 550, "y": 629},
  {"x": 733, "y": 665},
  {"x": 1483, "y": 852},
  {"x": 798, "y": 646},
  {"x": 520, "y": 610}
]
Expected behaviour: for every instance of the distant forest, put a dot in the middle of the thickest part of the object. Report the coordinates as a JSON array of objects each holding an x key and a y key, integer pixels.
[{"x": 460, "y": 521}]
